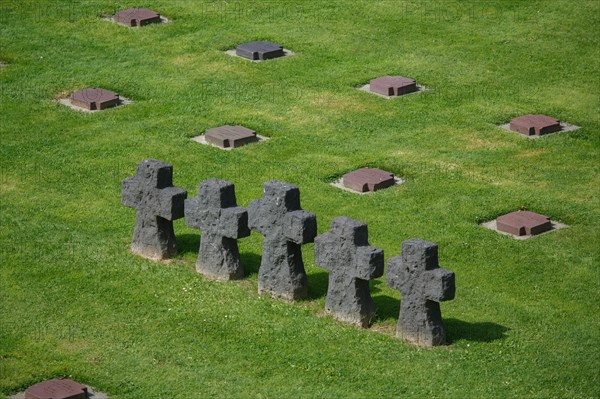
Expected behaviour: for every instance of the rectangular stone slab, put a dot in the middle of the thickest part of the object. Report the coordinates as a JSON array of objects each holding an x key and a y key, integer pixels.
[
  {"x": 137, "y": 17},
  {"x": 57, "y": 389},
  {"x": 94, "y": 99},
  {"x": 368, "y": 179},
  {"x": 393, "y": 85},
  {"x": 259, "y": 50},
  {"x": 538, "y": 125},
  {"x": 230, "y": 136},
  {"x": 522, "y": 223}
]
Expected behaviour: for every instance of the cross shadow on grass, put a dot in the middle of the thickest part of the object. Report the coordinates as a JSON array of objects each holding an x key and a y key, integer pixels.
[
  {"x": 387, "y": 306},
  {"x": 251, "y": 263},
  {"x": 484, "y": 331},
  {"x": 456, "y": 330},
  {"x": 187, "y": 243},
  {"x": 317, "y": 284}
]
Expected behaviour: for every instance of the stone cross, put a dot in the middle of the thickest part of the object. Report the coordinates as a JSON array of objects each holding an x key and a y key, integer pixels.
[
  {"x": 286, "y": 227},
  {"x": 423, "y": 285},
  {"x": 215, "y": 212},
  {"x": 158, "y": 203},
  {"x": 352, "y": 262}
]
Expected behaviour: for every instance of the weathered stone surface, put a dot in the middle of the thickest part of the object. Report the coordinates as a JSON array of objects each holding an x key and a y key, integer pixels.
[
  {"x": 94, "y": 99},
  {"x": 137, "y": 17},
  {"x": 393, "y": 85},
  {"x": 423, "y": 285},
  {"x": 286, "y": 227},
  {"x": 521, "y": 223},
  {"x": 57, "y": 389},
  {"x": 230, "y": 136},
  {"x": 215, "y": 212},
  {"x": 158, "y": 203},
  {"x": 259, "y": 50},
  {"x": 538, "y": 125},
  {"x": 352, "y": 262},
  {"x": 368, "y": 179}
]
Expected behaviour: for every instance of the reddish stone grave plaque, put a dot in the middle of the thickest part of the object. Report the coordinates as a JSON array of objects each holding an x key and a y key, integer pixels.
[
  {"x": 259, "y": 50},
  {"x": 393, "y": 85},
  {"x": 530, "y": 125},
  {"x": 368, "y": 179},
  {"x": 230, "y": 136},
  {"x": 137, "y": 17},
  {"x": 94, "y": 99},
  {"x": 57, "y": 389},
  {"x": 521, "y": 223}
]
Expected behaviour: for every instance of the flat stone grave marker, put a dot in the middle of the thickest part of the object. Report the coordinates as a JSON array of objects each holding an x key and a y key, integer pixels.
[
  {"x": 536, "y": 125},
  {"x": 259, "y": 51},
  {"x": 94, "y": 100},
  {"x": 286, "y": 226},
  {"x": 423, "y": 285},
  {"x": 157, "y": 202},
  {"x": 59, "y": 389},
  {"x": 137, "y": 17},
  {"x": 392, "y": 86},
  {"x": 228, "y": 137},
  {"x": 215, "y": 212},
  {"x": 352, "y": 262},
  {"x": 366, "y": 180},
  {"x": 523, "y": 224}
]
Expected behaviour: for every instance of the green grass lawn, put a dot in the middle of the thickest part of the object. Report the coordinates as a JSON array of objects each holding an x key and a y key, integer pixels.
[{"x": 75, "y": 303}]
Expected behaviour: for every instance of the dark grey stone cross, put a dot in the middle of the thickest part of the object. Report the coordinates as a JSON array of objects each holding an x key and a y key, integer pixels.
[
  {"x": 352, "y": 262},
  {"x": 151, "y": 192},
  {"x": 215, "y": 212},
  {"x": 423, "y": 285},
  {"x": 286, "y": 227}
]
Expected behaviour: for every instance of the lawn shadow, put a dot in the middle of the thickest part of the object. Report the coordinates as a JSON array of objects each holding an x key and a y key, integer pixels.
[
  {"x": 387, "y": 307},
  {"x": 485, "y": 331},
  {"x": 317, "y": 284},
  {"x": 188, "y": 243},
  {"x": 456, "y": 330},
  {"x": 251, "y": 263}
]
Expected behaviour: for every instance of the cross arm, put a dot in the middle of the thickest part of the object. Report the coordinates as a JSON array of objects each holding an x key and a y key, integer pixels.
[
  {"x": 131, "y": 193},
  {"x": 395, "y": 276},
  {"x": 300, "y": 226},
  {"x": 256, "y": 219},
  {"x": 194, "y": 215},
  {"x": 171, "y": 203},
  {"x": 369, "y": 262},
  {"x": 326, "y": 246},
  {"x": 439, "y": 285},
  {"x": 233, "y": 222}
]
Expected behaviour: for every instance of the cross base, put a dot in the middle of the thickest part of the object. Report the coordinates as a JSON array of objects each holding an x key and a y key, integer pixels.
[
  {"x": 421, "y": 324},
  {"x": 281, "y": 272},
  {"x": 153, "y": 237},
  {"x": 219, "y": 258},
  {"x": 349, "y": 300}
]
